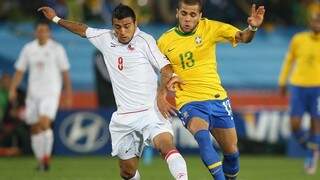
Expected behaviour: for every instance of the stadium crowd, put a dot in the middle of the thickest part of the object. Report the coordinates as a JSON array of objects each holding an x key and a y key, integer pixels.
[{"x": 281, "y": 12}]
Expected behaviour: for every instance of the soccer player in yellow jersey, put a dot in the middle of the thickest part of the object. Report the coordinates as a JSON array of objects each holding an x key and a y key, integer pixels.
[
  {"x": 302, "y": 63},
  {"x": 204, "y": 107}
]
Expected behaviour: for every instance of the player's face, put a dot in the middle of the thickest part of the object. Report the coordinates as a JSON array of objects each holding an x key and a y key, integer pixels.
[
  {"x": 315, "y": 23},
  {"x": 124, "y": 29},
  {"x": 42, "y": 33},
  {"x": 188, "y": 17}
]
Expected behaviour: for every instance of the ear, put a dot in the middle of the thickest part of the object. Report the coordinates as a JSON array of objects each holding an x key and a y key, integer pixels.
[
  {"x": 177, "y": 13},
  {"x": 201, "y": 15}
]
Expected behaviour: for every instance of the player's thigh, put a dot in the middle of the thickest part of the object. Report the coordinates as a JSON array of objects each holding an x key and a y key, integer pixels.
[
  {"x": 226, "y": 138},
  {"x": 158, "y": 130},
  {"x": 298, "y": 102},
  {"x": 48, "y": 107},
  {"x": 32, "y": 110},
  {"x": 314, "y": 102},
  {"x": 126, "y": 142},
  {"x": 128, "y": 167},
  {"x": 222, "y": 125},
  {"x": 195, "y": 116}
]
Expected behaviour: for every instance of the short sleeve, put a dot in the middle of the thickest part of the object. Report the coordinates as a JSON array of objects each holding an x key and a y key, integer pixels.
[
  {"x": 156, "y": 58},
  {"x": 95, "y": 36},
  {"x": 22, "y": 61},
  {"x": 64, "y": 64},
  {"x": 225, "y": 33}
]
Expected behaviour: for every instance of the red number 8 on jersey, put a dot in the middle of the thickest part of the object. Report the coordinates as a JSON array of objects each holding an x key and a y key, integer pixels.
[{"x": 120, "y": 63}]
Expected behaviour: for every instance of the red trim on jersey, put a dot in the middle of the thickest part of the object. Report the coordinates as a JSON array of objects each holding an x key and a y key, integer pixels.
[
  {"x": 173, "y": 151},
  {"x": 133, "y": 112}
]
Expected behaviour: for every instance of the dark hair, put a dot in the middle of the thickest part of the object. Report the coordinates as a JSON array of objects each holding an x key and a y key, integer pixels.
[
  {"x": 123, "y": 11},
  {"x": 192, "y": 2}
]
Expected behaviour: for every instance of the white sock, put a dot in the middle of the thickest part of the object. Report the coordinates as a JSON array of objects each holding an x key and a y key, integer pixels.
[
  {"x": 48, "y": 142},
  {"x": 177, "y": 165},
  {"x": 37, "y": 142},
  {"x": 136, "y": 176}
]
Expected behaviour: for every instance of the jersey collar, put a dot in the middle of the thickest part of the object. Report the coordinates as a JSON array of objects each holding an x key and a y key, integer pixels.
[
  {"x": 179, "y": 31},
  {"x": 315, "y": 36}
]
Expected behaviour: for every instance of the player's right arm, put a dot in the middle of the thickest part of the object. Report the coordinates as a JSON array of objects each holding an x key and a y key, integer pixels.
[
  {"x": 286, "y": 68},
  {"x": 74, "y": 27},
  {"x": 20, "y": 66},
  {"x": 17, "y": 78}
]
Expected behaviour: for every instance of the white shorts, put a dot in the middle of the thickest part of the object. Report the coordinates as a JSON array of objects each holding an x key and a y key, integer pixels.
[
  {"x": 130, "y": 133},
  {"x": 41, "y": 106}
]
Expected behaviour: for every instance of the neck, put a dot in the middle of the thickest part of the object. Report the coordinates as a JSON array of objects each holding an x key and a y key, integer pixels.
[
  {"x": 180, "y": 31},
  {"x": 42, "y": 42}
]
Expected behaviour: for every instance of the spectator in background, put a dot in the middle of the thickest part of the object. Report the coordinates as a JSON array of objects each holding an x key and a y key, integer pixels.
[
  {"x": 302, "y": 10},
  {"x": 14, "y": 134},
  {"x": 48, "y": 68},
  {"x": 5, "y": 80},
  {"x": 143, "y": 9},
  {"x": 103, "y": 85},
  {"x": 165, "y": 11},
  {"x": 75, "y": 9},
  {"x": 302, "y": 66}
]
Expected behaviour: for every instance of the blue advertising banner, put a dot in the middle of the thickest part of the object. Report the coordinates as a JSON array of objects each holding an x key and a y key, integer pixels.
[
  {"x": 82, "y": 132},
  {"x": 85, "y": 132}
]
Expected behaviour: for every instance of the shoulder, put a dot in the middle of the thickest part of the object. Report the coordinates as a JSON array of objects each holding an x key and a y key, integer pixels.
[
  {"x": 166, "y": 35},
  {"x": 300, "y": 36},
  {"x": 144, "y": 38},
  {"x": 208, "y": 23},
  {"x": 96, "y": 32},
  {"x": 168, "y": 32},
  {"x": 30, "y": 45},
  {"x": 56, "y": 45}
]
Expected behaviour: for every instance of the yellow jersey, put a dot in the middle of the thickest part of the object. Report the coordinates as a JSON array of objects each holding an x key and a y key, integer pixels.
[
  {"x": 193, "y": 58},
  {"x": 302, "y": 61}
]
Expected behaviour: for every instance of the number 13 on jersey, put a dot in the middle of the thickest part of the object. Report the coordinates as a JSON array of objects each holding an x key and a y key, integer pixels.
[{"x": 186, "y": 60}]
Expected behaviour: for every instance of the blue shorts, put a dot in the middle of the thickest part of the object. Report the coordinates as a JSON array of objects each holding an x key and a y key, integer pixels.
[
  {"x": 217, "y": 113},
  {"x": 304, "y": 99}
]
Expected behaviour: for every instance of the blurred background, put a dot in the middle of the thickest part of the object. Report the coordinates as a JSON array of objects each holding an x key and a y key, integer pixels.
[{"x": 249, "y": 73}]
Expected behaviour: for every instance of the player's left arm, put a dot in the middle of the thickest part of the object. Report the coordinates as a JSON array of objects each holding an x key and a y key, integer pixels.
[
  {"x": 167, "y": 81},
  {"x": 67, "y": 88},
  {"x": 254, "y": 21}
]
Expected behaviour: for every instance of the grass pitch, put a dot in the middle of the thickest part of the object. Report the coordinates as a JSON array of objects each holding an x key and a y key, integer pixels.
[{"x": 106, "y": 168}]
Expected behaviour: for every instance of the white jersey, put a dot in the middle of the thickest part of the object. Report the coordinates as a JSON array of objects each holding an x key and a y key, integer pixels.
[
  {"x": 132, "y": 67},
  {"x": 45, "y": 64}
]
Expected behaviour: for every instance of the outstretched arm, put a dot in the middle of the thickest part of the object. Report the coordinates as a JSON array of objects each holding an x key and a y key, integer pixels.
[
  {"x": 74, "y": 27},
  {"x": 254, "y": 21}
]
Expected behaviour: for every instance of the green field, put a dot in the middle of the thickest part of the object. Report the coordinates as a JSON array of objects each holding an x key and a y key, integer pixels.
[{"x": 106, "y": 168}]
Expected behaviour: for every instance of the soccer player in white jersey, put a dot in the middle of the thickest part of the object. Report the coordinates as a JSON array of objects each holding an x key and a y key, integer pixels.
[
  {"x": 132, "y": 59},
  {"x": 48, "y": 66}
]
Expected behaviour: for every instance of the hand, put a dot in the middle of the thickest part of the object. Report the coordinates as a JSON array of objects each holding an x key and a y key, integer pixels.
[
  {"x": 12, "y": 95},
  {"x": 166, "y": 109},
  {"x": 257, "y": 16},
  {"x": 175, "y": 80},
  {"x": 48, "y": 12},
  {"x": 283, "y": 91}
]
